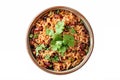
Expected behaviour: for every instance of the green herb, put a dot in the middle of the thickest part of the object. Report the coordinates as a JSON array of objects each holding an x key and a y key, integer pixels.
[
  {"x": 81, "y": 21},
  {"x": 72, "y": 31},
  {"x": 43, "y": 46},
  {"x": 60, "y": 42},
  {"x": 54, "y": 48},
  {"x": 62, "y": 50},
  {"x": 57, "y": 37},
  {"x": 56, "y": 45},
  {"x": 47, "y": 57},
  {"x": 57, "y": 11},
  {"x": 68, "y": 40},
  {"x": 59, "y": 27},
  {"x": 47, "y": 48},
  {"x": 56, "y": 42},
  {"x": 38, "y": 48},
  {"x": 49, "y": 32},
  {"x": 35, "y": 36},
  {"x": 55, "y": 59},
  {"x": 31, "y": 35}
]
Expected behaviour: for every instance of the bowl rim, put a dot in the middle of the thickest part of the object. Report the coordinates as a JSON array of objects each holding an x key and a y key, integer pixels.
[{"x": 87, "y": 25}]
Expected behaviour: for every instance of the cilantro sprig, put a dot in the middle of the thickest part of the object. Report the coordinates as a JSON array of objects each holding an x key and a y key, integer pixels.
[
  {"x": 33, "y": 36},
  {"x": 60, "y": 42},
  {"x": 68, "y": 40},
  {"x": 52, "y": 59},
  {"x": 38, "y": 48},
  {"x": 72, "y": 31},
  {"x": 55, "y": 58},
  {"x": 47, "y": 57},
  {"x": 49, "y": 32},
  {"x": 59, "y": 27}
]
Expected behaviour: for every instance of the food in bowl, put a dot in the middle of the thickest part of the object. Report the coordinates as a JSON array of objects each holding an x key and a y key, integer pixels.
[{"x": 58, "y": 40}]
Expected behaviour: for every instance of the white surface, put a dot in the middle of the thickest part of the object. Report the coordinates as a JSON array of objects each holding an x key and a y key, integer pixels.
[{"x": 15, "y": 17}]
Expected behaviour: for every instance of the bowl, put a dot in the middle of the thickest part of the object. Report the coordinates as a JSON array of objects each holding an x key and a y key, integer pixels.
[{"x": 87, "y": 27}]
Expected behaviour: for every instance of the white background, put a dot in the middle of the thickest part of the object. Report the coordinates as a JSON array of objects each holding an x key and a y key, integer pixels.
[{"x": 15, "y": 18}]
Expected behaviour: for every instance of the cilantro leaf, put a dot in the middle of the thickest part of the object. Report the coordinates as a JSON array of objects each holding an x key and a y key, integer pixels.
[
  {"x": 39, "y": 47},
  {"x": 49, "y": 32},
  {"x": 59, "y": 27},
  {"x": 58, "y": 44},
  {"x": 31, "y": 35},
  {"x": 62, "y": 50},
  {"x": 55, "y": 59},
  {"x": 72, "y": 31},
  {"x": 43, "y": 46},
  {"x": 57, "y": 37},
  {"x": 68, "y": 40},
  {"x": 54, "y": 48},
  {"x": 35, "y": 36},
  {"x": 47, "y": 57}
]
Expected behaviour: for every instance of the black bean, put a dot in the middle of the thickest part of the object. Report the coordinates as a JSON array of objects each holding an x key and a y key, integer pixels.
[{"x": 49, "y": 24}]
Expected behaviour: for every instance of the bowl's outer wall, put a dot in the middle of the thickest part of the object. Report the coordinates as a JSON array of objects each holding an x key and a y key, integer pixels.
[{"x": 88, "y": 27}]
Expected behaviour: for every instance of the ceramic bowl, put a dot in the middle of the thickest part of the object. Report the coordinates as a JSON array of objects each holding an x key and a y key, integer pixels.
[{"x": 88, "y": 27}]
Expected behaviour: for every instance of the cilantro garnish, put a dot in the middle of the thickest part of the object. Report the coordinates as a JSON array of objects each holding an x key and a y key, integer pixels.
[
  {"x": 68, "y": 40},
  {"x": 60, "y": 42},
  {"x": 35, "y": 36},
  {"x": 56, "y": 42},
  {"x": 59, "y": 27},
  {"x": 31, "y": 35},
  {"x": 57, "y": 37},
  {"x": 55, "y": 59},
  {"x": 56, "y": 45},
  {"x": 62, "y": 50},
  {"x": 47, "y": 57},
  {"x": 72, "y": 31},
  {"x": 49, "y": 32},
  {"x": 38, "y": 48}
]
